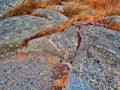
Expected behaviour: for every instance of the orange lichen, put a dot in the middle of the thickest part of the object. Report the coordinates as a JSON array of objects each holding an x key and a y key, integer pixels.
[
  {"x": 80, "y": 74},
  {"x": 119, "y": 85},
  {"x": 50, "y": 63},
  {"x": 21, "y": 56},
  {"x": 60, "y": 82},
  {"x": 50, "y": 30}
]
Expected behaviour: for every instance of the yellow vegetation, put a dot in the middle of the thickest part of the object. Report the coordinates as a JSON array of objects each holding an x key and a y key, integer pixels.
[
  {"x": 72, "y": 9},
  {"x": 60, "y": 82},
  {"x": 28, "y": 6},
  {"x": 24, "y": 8},
  {"x": 111, "y": 7}
]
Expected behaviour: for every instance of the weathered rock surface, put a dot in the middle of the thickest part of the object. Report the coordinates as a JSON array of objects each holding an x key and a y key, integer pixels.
[
  {"x": 98, "y": 58},
  {"x": 57, "y": 7},
  {"x": 6, "y": 5},
  {"x": 62, "y": 44},
  {"x": 94, "y": 65},
  {"x": 26, "y": 73},
  {"x": 112, "y": 19},
  {"x": 20, "y": 27},
  {"x": 77, "y": 83},
  {"x": 51, "y": 15}
]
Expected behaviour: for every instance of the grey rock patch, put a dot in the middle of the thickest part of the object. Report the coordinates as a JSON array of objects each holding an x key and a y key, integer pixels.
[
  {"x": 17, "y": 28},
  {"x": 77, "y": 83},
  {"x": 112, "y": 19},
  {"x": 25, "y": 75},
  {"x": 42, "y": 0},
  {"x": 62, "y": 44},
  {"x": 76, "y": 23},
  {"x": 63, "y": 3},
  {"x": 98, "y": 57},
  {"x": 6, "y": 5},
  {"x": 52, "y": 15},
  {"x": 57, "y": 7}
]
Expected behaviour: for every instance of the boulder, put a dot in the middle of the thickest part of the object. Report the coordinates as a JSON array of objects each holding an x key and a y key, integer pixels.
[
  {"x": 57, "y": 7},
  {"x": 27, "y": 72},
  {"x": 98, "y": 58},
  {"x": 51, "y": 15},
  {"x": 17, "y": 28},
  {"x": 62, "y": 44},
  {"x": 6, "y": 5}
]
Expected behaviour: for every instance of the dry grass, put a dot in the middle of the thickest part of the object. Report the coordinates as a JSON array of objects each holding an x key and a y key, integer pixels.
[
  {"x": 75, "y": 1},
  {"x": 26, "y": 7},
  {"x": 72, "y": 9},
  {"x": 109, "y": 7}
]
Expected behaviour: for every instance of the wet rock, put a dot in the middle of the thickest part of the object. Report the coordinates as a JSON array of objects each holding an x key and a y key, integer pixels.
[
  {"x": 6, "y": 5},
  {"x": 98, "y": 57}
]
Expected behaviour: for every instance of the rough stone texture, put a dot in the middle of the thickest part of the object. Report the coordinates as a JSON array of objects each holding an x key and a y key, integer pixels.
[
  {"x": 62, "y": 44},
  {"x": 77, "y": 83},
  {"x": 21, "y": 27},
  {"x": 98, "y": 57},
  {"x": 31, "y": 73},
  {"x": 51, "y": 15},
  {"x": 57, "y": 7},
  {"x": 112, "y": 19},
  {"x": 6, "y": 5}
]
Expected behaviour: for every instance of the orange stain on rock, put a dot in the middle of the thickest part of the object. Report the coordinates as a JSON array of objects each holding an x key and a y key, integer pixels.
[
  {"x": 60, "y": 82},
  {"x": 21, "y": 56},
  {"x": 119, "y": 85},
  {"x": 50, "y": 63},
  {"x": 80, "y": 74}
]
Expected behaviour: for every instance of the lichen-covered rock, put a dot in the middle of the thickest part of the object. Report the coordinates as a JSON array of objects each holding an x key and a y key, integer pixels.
[
  {"x": 77, "y": 83},
  {"x": 6, "y": 5},
  {"x": 20, "y": 27},
  {"x": 31, "y": 73},
  {"x": 57, "y": 7},
  {"x": 112, "y": 19},
  {"x": 51, "y": 15},
  {"x": 98, "y": 57},
  {"x": 62, "y": 44}
]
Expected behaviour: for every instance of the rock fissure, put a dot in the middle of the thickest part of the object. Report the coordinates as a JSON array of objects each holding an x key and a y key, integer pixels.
[{"x": 80, "y": 55}]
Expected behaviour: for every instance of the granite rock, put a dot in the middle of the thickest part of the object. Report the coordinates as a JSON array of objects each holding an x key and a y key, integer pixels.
[
  {"x": 51, "y": 14},
  {"x": 98, "y": 57},
  {"x": 112, "y": 19},
  {"x": 31, "y": 73},
  {"x": 6, "y": 5}
]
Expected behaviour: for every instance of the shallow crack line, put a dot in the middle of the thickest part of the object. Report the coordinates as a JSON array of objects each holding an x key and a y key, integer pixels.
[{"x": 78, "y": 41}]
